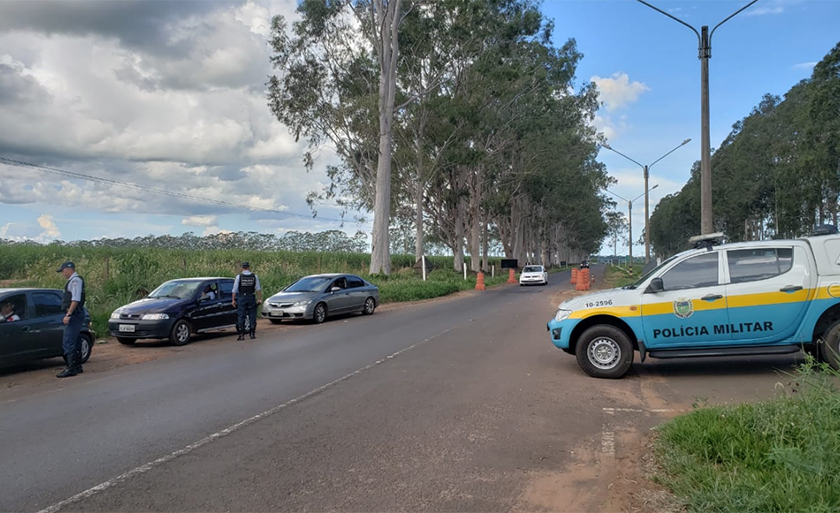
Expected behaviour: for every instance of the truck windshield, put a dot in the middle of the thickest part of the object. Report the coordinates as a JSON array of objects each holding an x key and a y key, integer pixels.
[{"x": 650, "y": 273}]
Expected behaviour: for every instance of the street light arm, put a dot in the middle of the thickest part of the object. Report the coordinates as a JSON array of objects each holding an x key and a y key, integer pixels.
[
  {"x": 616, "y": 195},
  {"x": 637, "y": 197},
  {"x": 670, "y": 152},
  {"x": 727, "y": 19},
  {"x": 679, "y": 20},
  {"x": 623, "y": 155}
]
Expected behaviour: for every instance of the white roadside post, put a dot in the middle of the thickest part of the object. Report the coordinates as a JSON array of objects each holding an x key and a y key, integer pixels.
[
  {"x": 423, "y": 263},
  {"x": 465, "y": 271}
]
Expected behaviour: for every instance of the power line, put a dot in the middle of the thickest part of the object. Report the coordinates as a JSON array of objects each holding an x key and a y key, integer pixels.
[{"x": 129, "y": 185}]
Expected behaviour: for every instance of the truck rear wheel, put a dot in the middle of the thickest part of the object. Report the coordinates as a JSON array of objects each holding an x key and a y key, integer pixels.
[
  {"x": 830, "y": 348},
  {"x": 604, "y": 351}
]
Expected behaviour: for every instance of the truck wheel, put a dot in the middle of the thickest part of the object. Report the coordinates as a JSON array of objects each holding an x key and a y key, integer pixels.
[
  {"x": 830, "y": 348},
  {"x": 604, "y": 351}
]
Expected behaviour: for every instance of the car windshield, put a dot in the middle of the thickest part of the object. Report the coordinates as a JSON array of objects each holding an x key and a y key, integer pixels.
[
  {"x": 532, "y": 269},
  {"x": 309, "y": 284},
  {"x": 176, "y": 289},
  {"x": 649, "y": 273}
]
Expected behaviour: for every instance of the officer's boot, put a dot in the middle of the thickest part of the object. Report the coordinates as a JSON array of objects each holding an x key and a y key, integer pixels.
[
  {"x": 78, "y": 361},
  {"x": 70, "y": 370},
  {"x": 240, "y": 332},
  {"x": 253, "y": 333}
]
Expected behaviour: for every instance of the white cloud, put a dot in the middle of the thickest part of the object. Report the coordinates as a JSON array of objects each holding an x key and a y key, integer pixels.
[
  {"x": 50, "y": 229},
  {"x": 805, "y": 65},
  {"x": 214, "y": 230},
  {"x": 618, "y": 91},
  {"x": 201, "y": 220}
]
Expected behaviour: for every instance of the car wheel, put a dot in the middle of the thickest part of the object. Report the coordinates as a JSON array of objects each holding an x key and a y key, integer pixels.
[
  {"x": 275, "y": 321},
  {"x": 126, "y": 341},
  {"x": 829, "y": 350},
  {"x": 370, "y": 306},
  {"x": 180, "y": 333},
  {"x": 87, "y": 346},
  {"x": 604, "y": 351},
  {"x": 320, "y": 313}
]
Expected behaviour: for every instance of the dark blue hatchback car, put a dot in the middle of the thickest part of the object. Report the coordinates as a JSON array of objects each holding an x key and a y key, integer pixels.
[{"x": 175, "y": 310}]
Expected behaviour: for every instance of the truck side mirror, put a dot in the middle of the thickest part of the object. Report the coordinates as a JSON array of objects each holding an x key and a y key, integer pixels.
[{"x": 656, "y": 285}]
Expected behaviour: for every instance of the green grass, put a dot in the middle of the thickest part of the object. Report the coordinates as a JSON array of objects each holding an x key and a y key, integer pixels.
[
  {"x": 117, "y": 276},
  {"x": 619, "y": 277},
  {"x": 779, "y": 455}
]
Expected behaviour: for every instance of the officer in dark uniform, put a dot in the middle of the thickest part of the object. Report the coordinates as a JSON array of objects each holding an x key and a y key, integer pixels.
[
  {"x": 73, "y": 304},
  {"x": 247, "y": 286}
]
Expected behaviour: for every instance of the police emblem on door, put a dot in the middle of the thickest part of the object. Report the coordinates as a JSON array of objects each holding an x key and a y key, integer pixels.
[{"x": 683, "y": 308}]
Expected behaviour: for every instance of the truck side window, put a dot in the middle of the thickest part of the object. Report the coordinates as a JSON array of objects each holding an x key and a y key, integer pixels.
[
  {"x": 699, "y": 271},
  {"x": 758, "y": 264}
]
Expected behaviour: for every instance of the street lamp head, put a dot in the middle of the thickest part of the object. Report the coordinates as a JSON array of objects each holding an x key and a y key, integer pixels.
[
  {"x": 654, "y": 187},
  {"x": 607, "y": 146},
  {"x": 685, "y": 142}
]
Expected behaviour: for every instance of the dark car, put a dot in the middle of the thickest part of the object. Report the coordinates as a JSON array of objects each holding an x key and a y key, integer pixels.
[
  {"x": 314, "y": 297},
  {"x": 175, "y": 310},
  {"x": 34, "y": 328}
]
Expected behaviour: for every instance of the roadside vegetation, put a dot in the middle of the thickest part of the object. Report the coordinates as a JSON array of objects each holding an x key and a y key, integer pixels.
[
  {"x": 116, "y": 276},
  {"x": 619, "y": 276},
  {"x": 774, "y": 456}
]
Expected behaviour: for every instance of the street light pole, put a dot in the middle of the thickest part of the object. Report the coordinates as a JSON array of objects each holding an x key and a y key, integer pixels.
[
  {"x": 630, "y": 220},
  {"x": 646, "y": 169},
  {"x": 704, "y": 40}
]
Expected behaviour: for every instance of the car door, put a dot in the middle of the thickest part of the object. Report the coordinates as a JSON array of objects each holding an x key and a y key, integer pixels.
[
  {"x": 339, "y": 300},
  {"x": 767, "y": 292},
  {"x": 16, "y": 336},
  {"x": 48, "y": 329},
  {"x": 208, "y": 313},
  {"x": 692, "y": 309},
  {"x": 357, "y": 293},
  {"x": 226, "y": 295}
]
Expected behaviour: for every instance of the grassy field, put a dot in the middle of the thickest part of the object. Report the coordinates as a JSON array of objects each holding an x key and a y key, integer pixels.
[
  {"x": 775, "y": 456},
  {"x": 115, "y": 277}
]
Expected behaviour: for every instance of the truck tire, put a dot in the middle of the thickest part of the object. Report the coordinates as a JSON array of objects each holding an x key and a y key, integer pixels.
[
  {"x": 604, "y": 351},
  {"x": 830, "y": 348}
]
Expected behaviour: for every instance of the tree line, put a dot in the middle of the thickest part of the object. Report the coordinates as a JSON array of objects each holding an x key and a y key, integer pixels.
[
  {"x": 456, "y": 122},
  {"x": 330, "y": 241},
  {"x": 777, "y": 173}
]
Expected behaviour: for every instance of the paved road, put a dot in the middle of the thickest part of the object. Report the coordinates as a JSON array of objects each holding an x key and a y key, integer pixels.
[{"x": 453, "y": 405}]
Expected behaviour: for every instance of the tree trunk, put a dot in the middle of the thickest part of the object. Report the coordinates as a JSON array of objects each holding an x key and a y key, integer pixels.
[
  {"x": 458, "y": 264},
  {"x": 486, "y": 260},
  {"x": 475, "y": 238},
  {"x": 388, "y": 20},
  {"x": 418, "y": 194}
]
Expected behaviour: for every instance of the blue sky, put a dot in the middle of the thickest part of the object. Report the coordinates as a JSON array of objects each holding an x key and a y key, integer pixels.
[
  {"x": 174, "y": 100},
  {"x": 765, "y": 49}
]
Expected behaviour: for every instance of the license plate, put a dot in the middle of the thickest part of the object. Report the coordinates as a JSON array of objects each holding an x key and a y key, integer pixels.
[
  {"x": 127, "y": 327},
  {"x": 278, "y": 314}
]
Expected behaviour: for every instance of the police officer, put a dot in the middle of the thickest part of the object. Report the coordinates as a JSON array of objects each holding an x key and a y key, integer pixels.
[
  {"x": 72, "y": 304},
  {"x": 246, "y": 285}
]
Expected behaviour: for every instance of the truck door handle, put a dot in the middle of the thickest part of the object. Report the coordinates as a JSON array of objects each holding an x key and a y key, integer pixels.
[
  {"x": 791, "y": 288},
  {"x": 711, "y": 297}
]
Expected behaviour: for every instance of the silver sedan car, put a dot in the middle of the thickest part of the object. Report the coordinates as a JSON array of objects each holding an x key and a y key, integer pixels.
[{"x": 317, "y": 296}]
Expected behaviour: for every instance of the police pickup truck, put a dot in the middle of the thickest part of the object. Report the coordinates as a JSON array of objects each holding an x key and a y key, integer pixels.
[{"x": 750, "y": 298}]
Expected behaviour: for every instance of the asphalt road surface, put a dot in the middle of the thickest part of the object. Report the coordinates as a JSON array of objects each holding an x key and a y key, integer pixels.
[{"x": 454, "y": 405}]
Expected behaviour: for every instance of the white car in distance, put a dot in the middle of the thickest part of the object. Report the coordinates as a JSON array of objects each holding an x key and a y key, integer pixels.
[{"x": 533, "y": 274}]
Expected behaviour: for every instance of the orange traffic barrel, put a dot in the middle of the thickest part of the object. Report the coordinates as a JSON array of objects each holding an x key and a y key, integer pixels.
[{"x": 574, "y": 276}]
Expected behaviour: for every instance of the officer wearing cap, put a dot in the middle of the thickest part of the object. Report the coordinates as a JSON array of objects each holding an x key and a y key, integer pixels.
[
  {"x": 72, "y": 304},
  {"x": 247, "y": 286}
]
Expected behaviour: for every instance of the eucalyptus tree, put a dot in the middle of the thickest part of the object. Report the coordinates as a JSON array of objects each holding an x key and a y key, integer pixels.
[{"x": 337, "y": 82}]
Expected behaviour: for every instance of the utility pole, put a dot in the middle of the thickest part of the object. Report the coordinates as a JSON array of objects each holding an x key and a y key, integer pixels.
[
  {"x": 704, "y": 40},
  {"x": 646, "y": 169}
]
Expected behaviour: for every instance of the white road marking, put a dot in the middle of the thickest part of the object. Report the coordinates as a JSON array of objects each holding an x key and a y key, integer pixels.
[
  {"x": 608, "y": 436},
  {"x": 142, "y": 469}
]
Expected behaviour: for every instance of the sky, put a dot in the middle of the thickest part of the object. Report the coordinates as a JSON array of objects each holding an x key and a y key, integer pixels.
[{"x": 170, "y": 95}]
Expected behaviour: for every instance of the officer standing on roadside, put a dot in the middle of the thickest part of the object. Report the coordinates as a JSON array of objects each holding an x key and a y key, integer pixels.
[
  {"x": 72, "y": 304},
  {"x": 247, "y": 286}
]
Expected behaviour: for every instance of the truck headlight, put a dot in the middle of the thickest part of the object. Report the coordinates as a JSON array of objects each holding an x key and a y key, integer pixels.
[
  {"x": 155, "y": 317},
  {"x": 562, "y": 315}
]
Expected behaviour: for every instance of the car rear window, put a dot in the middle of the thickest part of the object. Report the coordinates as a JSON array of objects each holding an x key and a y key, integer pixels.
[
  {"x": 758, "y": 264},
  {"x": 46, "y": 303}
]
